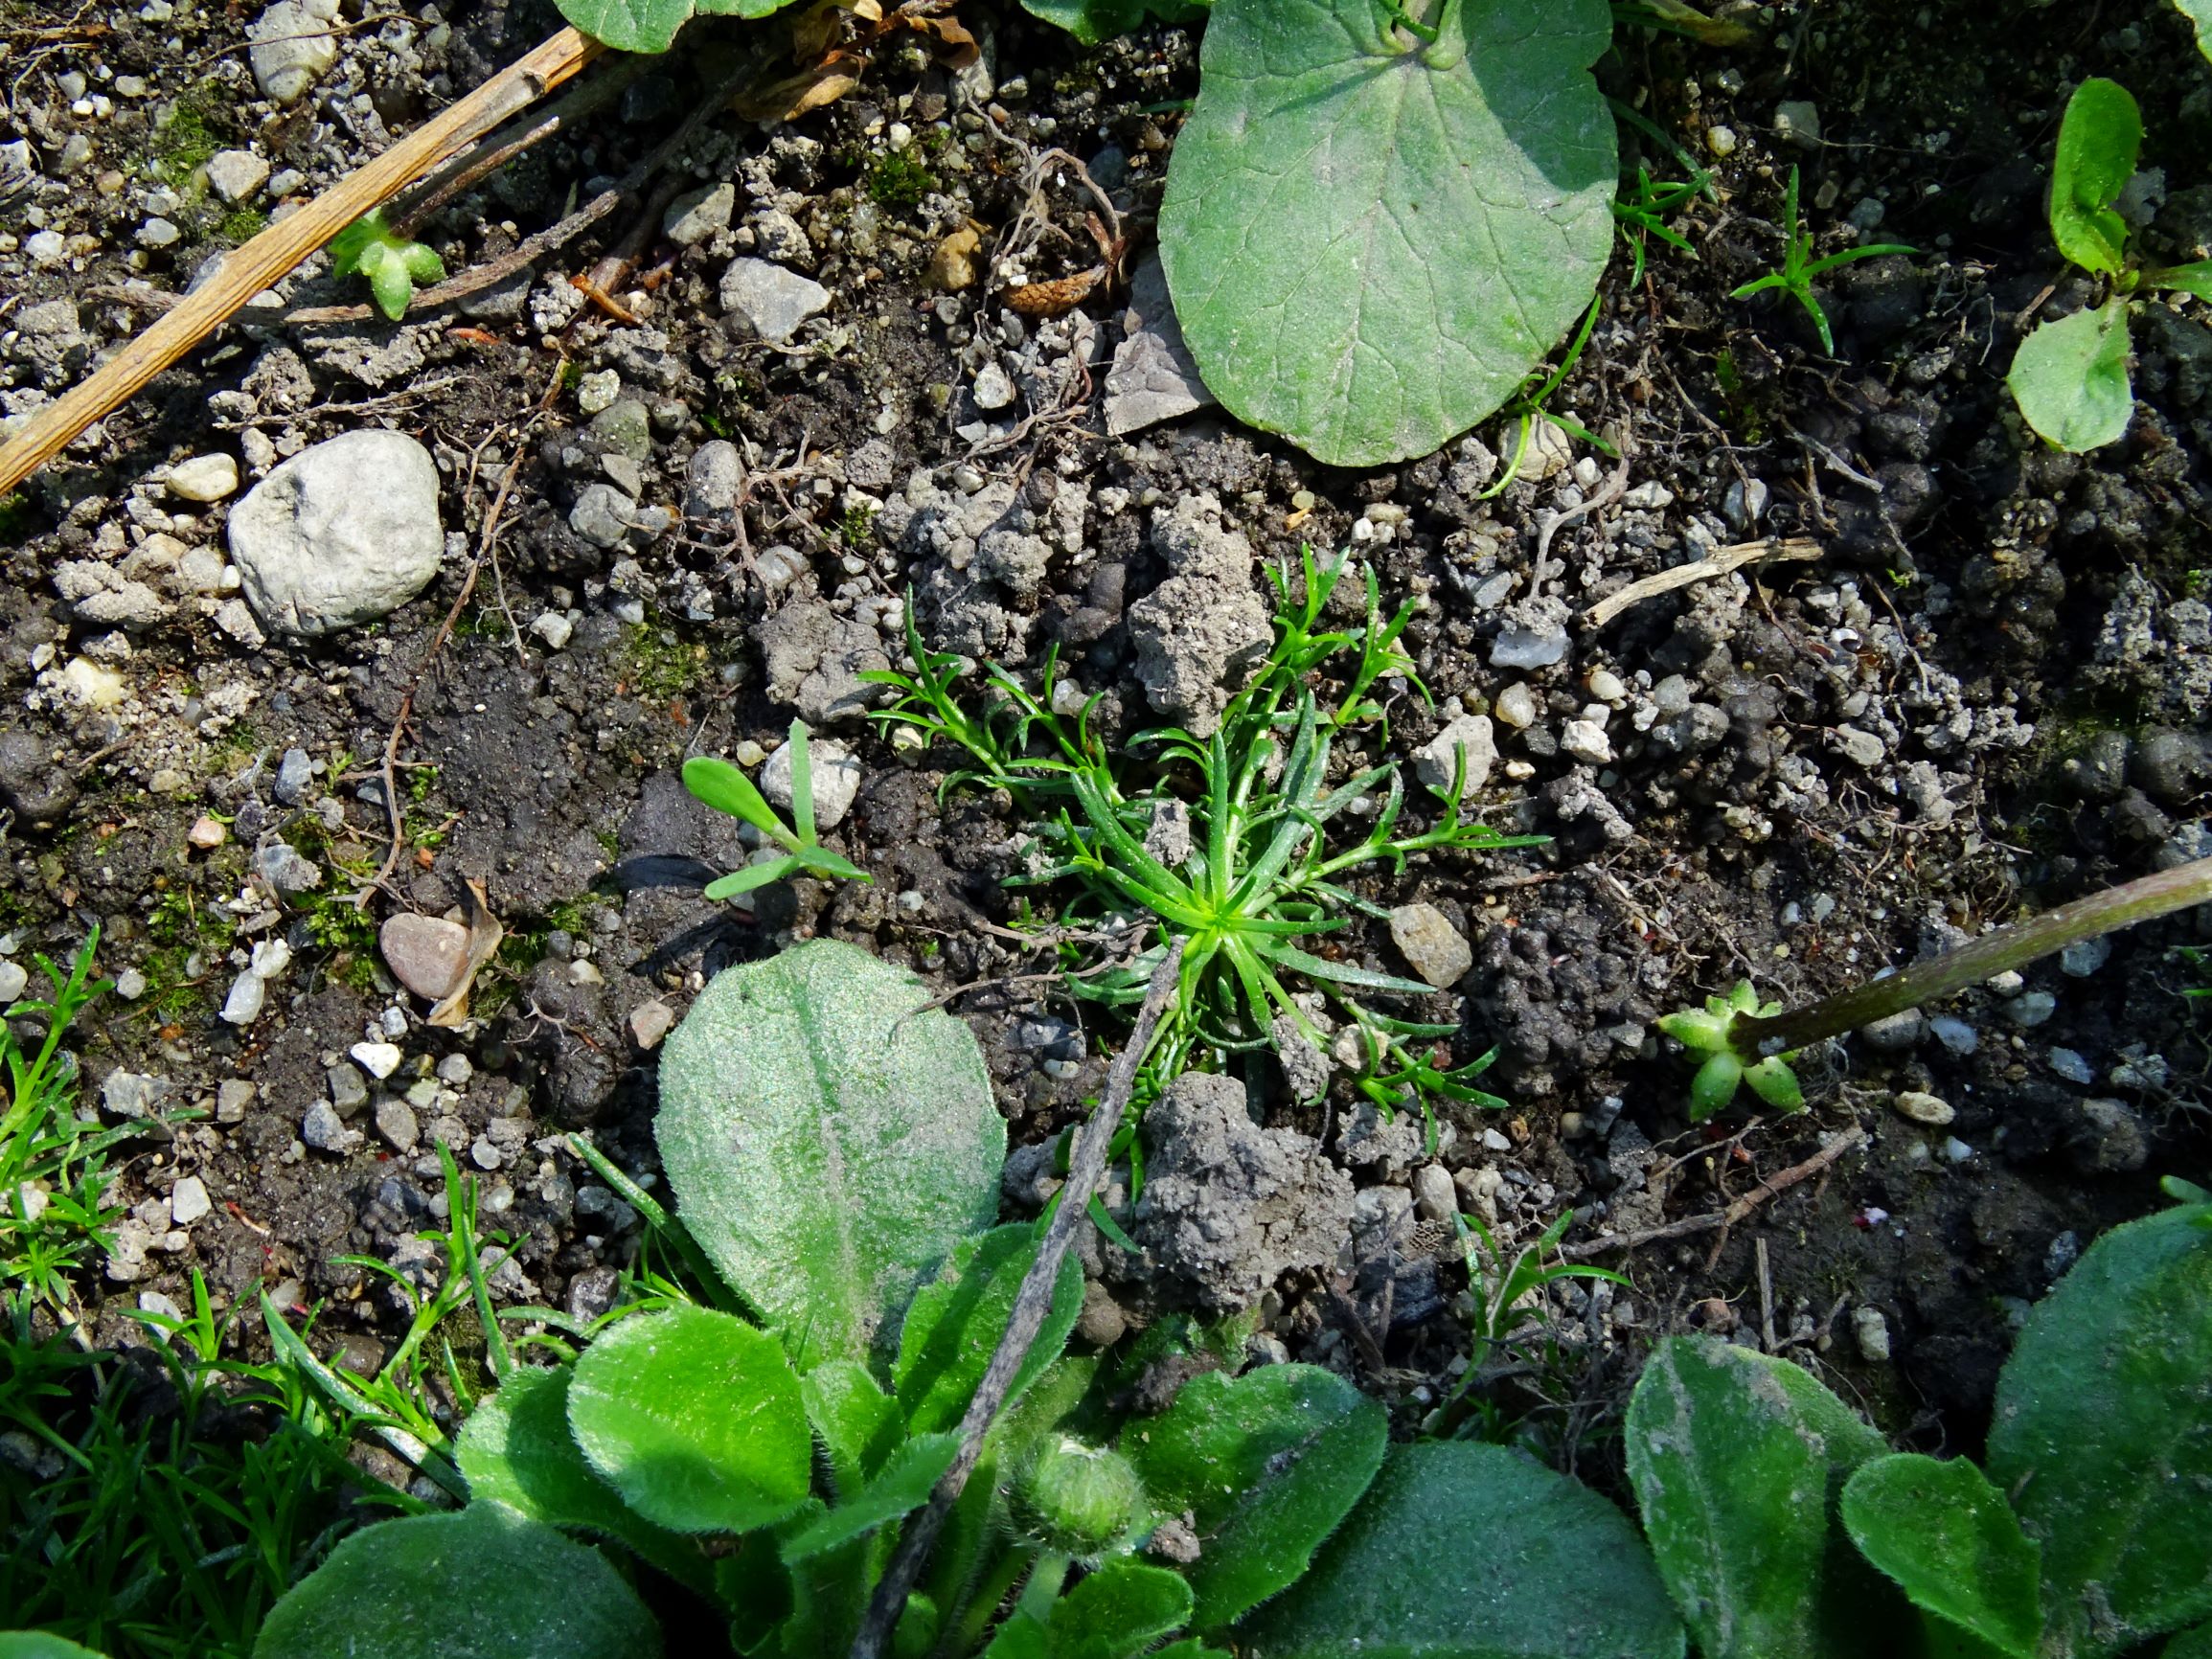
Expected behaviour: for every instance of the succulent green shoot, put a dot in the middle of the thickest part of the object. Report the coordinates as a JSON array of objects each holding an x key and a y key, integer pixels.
[
  {"x": 716, "y": 782},
  {"x": 391, "y": 264},
  {"x": 1744, "y": 1041}
]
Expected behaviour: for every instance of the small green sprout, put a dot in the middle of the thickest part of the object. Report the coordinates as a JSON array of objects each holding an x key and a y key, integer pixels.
[
  {"x": 1799, "y": 267},
  {"x": 391, "y": 264},
  {"x": 1723, "y": 1070},
  {"x": 726, "y": 789}
]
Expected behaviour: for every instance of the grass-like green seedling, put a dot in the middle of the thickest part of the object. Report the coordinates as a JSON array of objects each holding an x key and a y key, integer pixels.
[
  {"x": 1746, "y": 1042},
  {"x": 1799, "y": 267},
  {"x": 53, "y": 1212},
  {"x": 1261, "y": 881},
  {"x": 391, "y": 262},
  {"x": 722, "y": 787},
  {"x": 2070, "y": 377}
]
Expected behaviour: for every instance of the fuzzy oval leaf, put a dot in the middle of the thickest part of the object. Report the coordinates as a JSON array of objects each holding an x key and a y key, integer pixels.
[
  {"x": 2099, "y": 140},
  {"x": 695, "y": 1418},
  {"x": 1952, "y": 1544},
  {"x": 1737, "y": 1459},
  {"x": 1267, "y": 1465},
  {"x": 855, "y": 1420},
  {"x": 2103, "y": 1431},
  {"x": 1118, "y": 1612},
  {"x": 516, "y": 1449},
  {"x": 2070, "y": 378},
  {"x": 828, "y": 1142},
  {"x": 628, "y": 25},
  {"x": 482, "y": 1582},
  {"x": 956, "y": 1321},
  {"x": 903, "y": 1488},
  {"x": 2194, "y": 1644},
  {"x": 1370, "y": 247},
  {"x": 1462, "y": 1550}
]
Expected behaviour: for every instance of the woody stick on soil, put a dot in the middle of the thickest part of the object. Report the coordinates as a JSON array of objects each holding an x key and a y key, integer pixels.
[
  {"x": 1087, "y": 1164},
  {"x": 277, "y": 250}
]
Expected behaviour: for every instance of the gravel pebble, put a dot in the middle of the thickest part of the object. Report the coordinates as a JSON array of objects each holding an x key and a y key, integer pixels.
[
  {"x": 1432, "y": 948},
  {"x": 379, "y": 1059},
  {"x": 187, "y": 1201}
]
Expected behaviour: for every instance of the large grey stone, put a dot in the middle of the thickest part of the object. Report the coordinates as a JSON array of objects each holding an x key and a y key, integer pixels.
[
  {"x": 770, "y": 301},
  {"x": 341, "y": 535},
  {"x": 1153, "y": 377}
]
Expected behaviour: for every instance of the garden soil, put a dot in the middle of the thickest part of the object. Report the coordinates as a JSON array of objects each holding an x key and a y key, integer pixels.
[{"x": 688, "y": 496}]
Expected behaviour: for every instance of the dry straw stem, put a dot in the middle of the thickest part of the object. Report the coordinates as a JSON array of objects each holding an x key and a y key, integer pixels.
[{"x": 277, "y": 250}]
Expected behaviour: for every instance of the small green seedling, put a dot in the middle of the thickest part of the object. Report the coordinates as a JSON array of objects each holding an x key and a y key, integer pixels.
[
  {"x": 1743, "y": 1040},
  {"x": 1723, "y": 1071},
  {"x": 2070, "y": 377},
  {"x": 726, "y": 789},
  {"x": 391, "y": 264},
  {"x": 1799, "y": 267}
]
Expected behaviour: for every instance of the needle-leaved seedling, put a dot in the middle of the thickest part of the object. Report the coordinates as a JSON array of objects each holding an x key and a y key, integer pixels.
[{"x": 1799, "y": 269}]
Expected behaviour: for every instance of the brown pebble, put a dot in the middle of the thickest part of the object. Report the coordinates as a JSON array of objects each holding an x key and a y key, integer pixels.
[
  {"x": 206, "y": 833},
  {"x": 426, "y": 953}
]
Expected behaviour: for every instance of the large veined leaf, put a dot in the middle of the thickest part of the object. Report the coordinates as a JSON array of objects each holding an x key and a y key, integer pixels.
[
  {"x": 2070, "y": 377},
  {"x": 956, "y": 1321},
  {"x": 1952, "y": 1544},
  {"x": 1091, "y": 21},
  {"x": 1372, "y": 240},
  {"x": 516, "y": 1449},
  {"x": 1461, "y": 1551},
  {"x": 696, "y": 1419},
  {"x": 481, "y": 1583},
  {"x": 1737, "y": 1461},
  {"x": 1267, "y": 1465},
  {"x": 2103, "y": 1432},
  {"x": 828, "y": 1141},
  {"x": 651, "y": 25}
]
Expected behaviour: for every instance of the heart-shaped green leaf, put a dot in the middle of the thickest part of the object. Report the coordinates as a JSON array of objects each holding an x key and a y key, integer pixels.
[
  {"x": 38, "y": 1645},
  {"x": 2103, "y": 1430},
  {"x": 956, "y": 1321},
  {"x": 628, "y": 25},
  {"x": 1952, "y": 1544},
  {"x": 1737, "y": 1461},
  {"x": 1372, "y": 240},
  {"x": 481, "y": 1583},
  {"x": 695, "y": 1418},
  {"x": 830, "y": 1138},
  {"x": 2099, "y": 140},
  {"x": 516, "y": 1449},
  {"x": 1091, "y": 21},
  {"x": 1267, "y": 1464},
  {"x": 1463, "y": 1551},
  {"x": 2070, "y": 378}
]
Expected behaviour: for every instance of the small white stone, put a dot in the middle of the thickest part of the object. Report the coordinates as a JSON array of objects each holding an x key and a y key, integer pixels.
[
  {"x": 379, "y": 1059},
  {"x": 650, "y": 1022},
  {"x": 1720, "y": 140},
  {"x": 597, "y": 392},
  {"x": 1515, "y": 706},
  {"x": 12, "y": 980},
  {"x": 1586, "y": 740},
  {"x": 1872, "y": 1330},
  {"x": 555, "y": 628},
  {"x": 204, "y": 478},
  {"x": 187, "y": 1201},
  {"x": 836, "y": 780},
  {"x": 236, "y": 174},
  {"x": 1924, "y": 1109}
]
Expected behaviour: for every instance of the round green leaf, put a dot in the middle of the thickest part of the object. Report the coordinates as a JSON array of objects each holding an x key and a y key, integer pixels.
[
  {"x": 1371, "y": 242},
  {"x": 829, "y": 1138},
  {"x": 1461, "y": 1551},
  {"x": 696, "y": 1419},
  {"x": 2099, "y": 139},
  {"x": 2199, "y": 14},
  {"x": 628, "y": 25},
  {"x": 1267, "y": 1464},
  {"x": 2103, "y": 1430},
  {"x": 2070, "y": 378},
  {"x": 38, "y": 1645},
  {"x": 1952, "y": 1544},
  {"x": 481, "y": 1583}
]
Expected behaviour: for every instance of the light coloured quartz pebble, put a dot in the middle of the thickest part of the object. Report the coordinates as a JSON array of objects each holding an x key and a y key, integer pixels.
[
  {"x": 1515, "y": 706},
  {"x": 204, "y": 478},
  {"x": 1924, "y": 1109},
  {"x": 379, "y": 1059}
]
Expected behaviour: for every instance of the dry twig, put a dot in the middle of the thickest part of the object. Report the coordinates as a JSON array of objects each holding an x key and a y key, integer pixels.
[
  {"x": 1719, "y": 561},
  {"x": 1722, "y": 1220}
]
